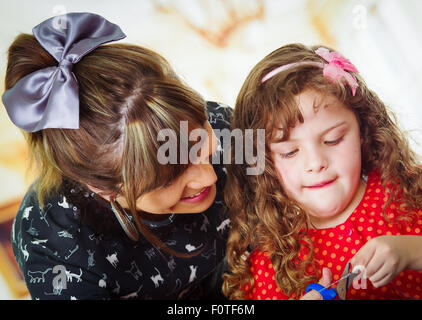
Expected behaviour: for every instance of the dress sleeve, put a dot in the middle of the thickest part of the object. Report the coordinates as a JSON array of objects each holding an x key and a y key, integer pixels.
[
  {"x": 52, "y": 257},
  {"x": 265, "y": 286}
]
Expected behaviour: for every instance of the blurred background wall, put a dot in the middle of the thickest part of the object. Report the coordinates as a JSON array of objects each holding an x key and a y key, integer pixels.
[{"x": 213, "y": 44}]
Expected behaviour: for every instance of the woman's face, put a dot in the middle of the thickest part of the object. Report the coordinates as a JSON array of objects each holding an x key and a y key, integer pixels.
[
  {"x": 319, "y": 165},
  {"x": 192, "y": 192}
]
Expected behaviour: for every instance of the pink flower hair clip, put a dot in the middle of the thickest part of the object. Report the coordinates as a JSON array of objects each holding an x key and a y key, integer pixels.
[{"x": 337, "y": 68}]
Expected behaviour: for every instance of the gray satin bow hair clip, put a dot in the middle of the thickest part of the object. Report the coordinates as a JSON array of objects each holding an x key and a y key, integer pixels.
[{"x": 49, "y": 97}]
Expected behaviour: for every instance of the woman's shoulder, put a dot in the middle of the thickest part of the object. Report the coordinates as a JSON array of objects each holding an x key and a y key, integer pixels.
[
  {"x": 45, "y": 226},
  {"x": 31, "y": 216},
  {"x": 51, "y": 236},
  {"x": 59, "y": 222},
  {"x": 219, "y": 115}
]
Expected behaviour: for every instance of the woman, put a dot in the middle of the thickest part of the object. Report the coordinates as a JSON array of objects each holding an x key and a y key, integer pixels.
[{"x": 106, "y": 218}]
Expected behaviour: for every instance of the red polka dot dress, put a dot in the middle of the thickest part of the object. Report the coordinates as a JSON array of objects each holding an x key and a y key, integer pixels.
[{"x": 334, "y": 247}]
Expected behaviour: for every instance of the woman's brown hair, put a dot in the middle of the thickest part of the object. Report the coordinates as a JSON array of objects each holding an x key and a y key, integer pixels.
[
  {"x": 262, "y": 216},
  {"x": 127, "y": 94}
]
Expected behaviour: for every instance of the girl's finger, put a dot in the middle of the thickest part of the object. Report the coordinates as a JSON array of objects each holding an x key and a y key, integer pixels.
[
  {"x": 364, "y": 255},
  {"x": 382, "y": 281},
  {"x": 327, "y": 277},
  {"x": 379, "y": 274},
  {"x": 325, "y": 280},
  {"x": 374, "y": 265}
]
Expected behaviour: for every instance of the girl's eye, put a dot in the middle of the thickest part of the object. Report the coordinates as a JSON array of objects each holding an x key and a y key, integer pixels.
[
  {"x": 334, "y": 142},
  {"x": 289, "y": 154}
]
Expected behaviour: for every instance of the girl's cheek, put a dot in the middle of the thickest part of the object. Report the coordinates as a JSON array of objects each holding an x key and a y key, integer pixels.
[
  {"x": 284, "y": 173},
  {"x": 289, "y": 165}
]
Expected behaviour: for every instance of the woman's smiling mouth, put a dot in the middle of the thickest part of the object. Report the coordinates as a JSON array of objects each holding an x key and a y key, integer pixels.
[{"x": 197, "y": 197}]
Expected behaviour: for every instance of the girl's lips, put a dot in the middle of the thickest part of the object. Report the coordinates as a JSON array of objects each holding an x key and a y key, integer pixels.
[
  {"x": 198, "y": 197},
  {"x": 321, "y": 184}
]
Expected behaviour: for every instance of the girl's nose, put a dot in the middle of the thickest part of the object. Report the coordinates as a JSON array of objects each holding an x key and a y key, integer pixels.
[{"x": 315, "y": 161}]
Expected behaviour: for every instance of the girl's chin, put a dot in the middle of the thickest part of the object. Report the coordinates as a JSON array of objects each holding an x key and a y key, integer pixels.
[
  {"x": 328, "y": 219},
  {"x": 325, "y": 210},
  {"x": 324, "y": 213}
]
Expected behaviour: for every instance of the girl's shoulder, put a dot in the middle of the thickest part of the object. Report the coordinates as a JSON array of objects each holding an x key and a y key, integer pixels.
[
  {"x": 260, "y": 258},
  {"x": 264, "y": 286}
]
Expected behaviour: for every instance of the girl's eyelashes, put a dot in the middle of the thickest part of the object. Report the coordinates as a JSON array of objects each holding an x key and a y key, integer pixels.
[
  {"x": 334, "y": 142},
  {"x": 292, "y": 153}
]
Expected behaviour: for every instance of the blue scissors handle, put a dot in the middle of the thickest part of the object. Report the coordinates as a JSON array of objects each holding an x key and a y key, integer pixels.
[{"x": 327, "y": 294}]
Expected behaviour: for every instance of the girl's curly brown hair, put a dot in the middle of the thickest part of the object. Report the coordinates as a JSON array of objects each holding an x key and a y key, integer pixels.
[{"x": 261, "y": 213}]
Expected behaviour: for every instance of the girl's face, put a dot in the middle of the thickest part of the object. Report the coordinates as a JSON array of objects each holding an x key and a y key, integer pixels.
[
  {"x": 320, "y": 165},
  {"x": 199, "y": 179}
]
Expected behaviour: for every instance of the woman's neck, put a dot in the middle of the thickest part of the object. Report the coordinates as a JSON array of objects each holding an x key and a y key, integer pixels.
[
  {"x": 142, "y": 214},
  {"x": 153, "y": 216}
]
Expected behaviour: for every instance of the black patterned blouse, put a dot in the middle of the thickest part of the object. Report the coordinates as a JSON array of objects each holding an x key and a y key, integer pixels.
[{"x": 79, "y": 251}]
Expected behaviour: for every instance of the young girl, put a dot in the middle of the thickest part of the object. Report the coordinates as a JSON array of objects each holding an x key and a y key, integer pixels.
[
  {"x": 106, "y": 219},
  {"x": 340, "y": 184}
]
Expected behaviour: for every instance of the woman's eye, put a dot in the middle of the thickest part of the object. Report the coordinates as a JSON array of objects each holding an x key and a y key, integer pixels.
[
  {"x": 167, "y": 185},
  {"x": 289, "y": 154},
  {"x": 334, "y": 142}
]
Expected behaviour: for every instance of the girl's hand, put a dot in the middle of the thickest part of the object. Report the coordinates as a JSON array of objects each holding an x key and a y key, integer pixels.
[
  {"x": 382, "y": 259},
  {"x": 325, "y": 280}
]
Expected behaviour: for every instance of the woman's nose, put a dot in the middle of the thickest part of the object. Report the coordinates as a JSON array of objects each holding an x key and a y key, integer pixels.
[{"x": 201, "y": 175}]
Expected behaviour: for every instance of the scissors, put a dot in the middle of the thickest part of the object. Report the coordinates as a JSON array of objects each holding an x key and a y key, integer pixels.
[{"x": 345, "y": 282}]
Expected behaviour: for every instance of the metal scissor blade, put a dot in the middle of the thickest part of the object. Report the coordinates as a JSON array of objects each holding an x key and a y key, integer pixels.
[{"x": 345, "y": 282}]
